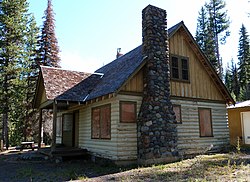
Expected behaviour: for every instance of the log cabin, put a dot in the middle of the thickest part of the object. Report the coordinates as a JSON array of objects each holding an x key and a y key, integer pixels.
[{"x": 158, "y": 102}]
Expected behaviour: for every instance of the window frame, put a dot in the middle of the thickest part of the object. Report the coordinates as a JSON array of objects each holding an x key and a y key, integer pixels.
[
  {"x": 180, "y": 68},
  {"x": 211, "y": 121},
  {"x": 101, "y": 122},
  {"x": 177, "y": 105},
  {"x": 120, "y": 110}
]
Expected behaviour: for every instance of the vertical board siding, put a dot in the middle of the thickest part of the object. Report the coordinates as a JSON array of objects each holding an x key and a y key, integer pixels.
[
  {"x": 201, "y": 85},
  {"x": 189, "y": 140}
]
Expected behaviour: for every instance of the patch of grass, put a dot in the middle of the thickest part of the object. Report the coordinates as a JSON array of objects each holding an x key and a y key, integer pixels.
[{"x": 218, "y": 167}]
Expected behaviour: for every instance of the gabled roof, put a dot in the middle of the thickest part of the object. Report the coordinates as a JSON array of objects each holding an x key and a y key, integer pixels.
[
  {"x": 116, "y": 73},
  {"x": 57, "y": 81}
]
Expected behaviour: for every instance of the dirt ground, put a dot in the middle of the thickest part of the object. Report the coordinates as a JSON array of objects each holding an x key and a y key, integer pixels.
[{"x": 30, "y": 166}]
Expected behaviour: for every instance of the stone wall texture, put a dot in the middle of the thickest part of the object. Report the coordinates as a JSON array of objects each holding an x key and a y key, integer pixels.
[{"x": 157, "y": 132}]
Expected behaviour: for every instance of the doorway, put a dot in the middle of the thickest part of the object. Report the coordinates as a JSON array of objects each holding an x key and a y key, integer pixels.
[{"x": 246, "y": 126}]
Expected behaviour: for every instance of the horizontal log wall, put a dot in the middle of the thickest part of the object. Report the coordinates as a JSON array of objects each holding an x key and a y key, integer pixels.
[
  {"x": 189, "y": 140},
  {"x": 123, "y": 142}
]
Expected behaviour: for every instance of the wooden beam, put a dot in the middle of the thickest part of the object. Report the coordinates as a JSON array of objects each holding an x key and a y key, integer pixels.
[
  {"x": 40, "y": 128},
  {"x": 53, "y": 144}
]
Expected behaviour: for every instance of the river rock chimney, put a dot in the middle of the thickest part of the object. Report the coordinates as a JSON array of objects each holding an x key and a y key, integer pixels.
[{"x": 157, "y": 132}]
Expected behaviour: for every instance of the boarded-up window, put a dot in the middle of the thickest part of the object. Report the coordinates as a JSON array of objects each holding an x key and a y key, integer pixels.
[
  {"x": 105, "y": 122},
  {"x": 177, "y": 111},
  {"x": 205, "y": 120},
  {"x": 96, "y": 123},
  {"x": 127, "y": 112},
  {"x": 101, "y": 122}
]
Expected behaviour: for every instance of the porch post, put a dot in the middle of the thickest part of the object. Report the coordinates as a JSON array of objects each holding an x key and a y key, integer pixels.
[
  {"x": 53, "y": 145},
  {"x": 40, "y": 128}
]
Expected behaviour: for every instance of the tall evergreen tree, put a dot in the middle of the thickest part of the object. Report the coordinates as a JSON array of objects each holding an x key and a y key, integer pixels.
[
  {"x": 201, "y": 29},
  {"x": 244, "y": 58},
  {"x": 212, "y": 24},
  {"x": 13, "y": 21},
  {"x": 30, "y": 75},
  {"x": 48, "y": 45},
  {"x": 218, "y": 24},
  {"x": 232, "y": 80}
]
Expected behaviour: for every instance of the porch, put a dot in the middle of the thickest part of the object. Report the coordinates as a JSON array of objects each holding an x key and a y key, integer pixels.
[{"x": 62, "y": 151}]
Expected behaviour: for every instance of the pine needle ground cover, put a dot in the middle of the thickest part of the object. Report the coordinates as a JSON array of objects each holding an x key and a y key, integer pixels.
[{"x": 217, "y": 167}]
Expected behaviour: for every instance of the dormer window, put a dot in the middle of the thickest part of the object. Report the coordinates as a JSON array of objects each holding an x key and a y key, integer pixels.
[{"x": 179, "y": 68}]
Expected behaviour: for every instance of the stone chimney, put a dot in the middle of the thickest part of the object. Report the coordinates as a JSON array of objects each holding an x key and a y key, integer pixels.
[{"x": 157, "y": 132}]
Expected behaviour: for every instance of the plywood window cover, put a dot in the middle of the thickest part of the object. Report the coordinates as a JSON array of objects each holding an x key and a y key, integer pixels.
[
  {"x": 178, "y": 115},
  {"x": 200, "y": 124},
  {"x": 97, "y": 123},
  {"x": 180, "y": 58},
  {"x": 127, "y": 120}
]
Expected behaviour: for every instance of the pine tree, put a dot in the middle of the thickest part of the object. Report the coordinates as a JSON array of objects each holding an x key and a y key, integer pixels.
[
  {"x": 228, "y": 78},
  {"x": 30, "y": 75},
  {"x": 13, "y": 21},
  {"x": 212, "y": 29},
  {"x": 244, "y": 58},
  {"x": 232, "y": 80},
  {"x": 48, "y": 45},
  {"x": 201, "y": 30}
]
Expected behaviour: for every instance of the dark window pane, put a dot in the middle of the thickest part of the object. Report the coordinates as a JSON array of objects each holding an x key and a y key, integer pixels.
[
  {"x": 175, "y": 68},
  {"x": 185, "y": 74},
  {"x": 184, "y": 67},
  {"x": 175, "y": 73},
  {"x": 184, "y": 63}
]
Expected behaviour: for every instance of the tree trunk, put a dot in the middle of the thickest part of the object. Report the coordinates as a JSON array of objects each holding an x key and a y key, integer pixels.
[{"x": 5, "y": 129}]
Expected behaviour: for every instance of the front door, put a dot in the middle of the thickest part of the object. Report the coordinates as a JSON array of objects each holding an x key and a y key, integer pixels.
[
  {"x": 68, "y": 129},
  {"x": 246, "y": 126}
]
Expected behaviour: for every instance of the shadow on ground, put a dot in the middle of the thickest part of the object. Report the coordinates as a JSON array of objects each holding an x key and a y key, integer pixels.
[{"x": 32, "y": 166}]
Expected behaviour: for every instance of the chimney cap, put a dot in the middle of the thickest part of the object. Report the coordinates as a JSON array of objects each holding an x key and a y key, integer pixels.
[{"x": 118, "y": 53}]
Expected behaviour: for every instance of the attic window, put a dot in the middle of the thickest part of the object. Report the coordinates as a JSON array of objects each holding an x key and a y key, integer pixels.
[{"x": 179, "y": 68}]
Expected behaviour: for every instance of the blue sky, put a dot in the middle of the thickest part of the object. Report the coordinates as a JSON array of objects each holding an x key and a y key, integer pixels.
[{"x": 90, "y": 31}]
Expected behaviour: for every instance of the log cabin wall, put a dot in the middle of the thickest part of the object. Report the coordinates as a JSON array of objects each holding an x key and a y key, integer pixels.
[
  {"x": 122, "y": 146},
  {"x": 189, "y": 140}
]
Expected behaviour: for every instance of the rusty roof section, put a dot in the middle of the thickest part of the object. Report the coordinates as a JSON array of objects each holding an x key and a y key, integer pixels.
[{"x": 57, "y": 80}]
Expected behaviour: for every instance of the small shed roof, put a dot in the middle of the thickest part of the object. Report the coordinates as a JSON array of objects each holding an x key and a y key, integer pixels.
[{"x": 240, "y": 104}]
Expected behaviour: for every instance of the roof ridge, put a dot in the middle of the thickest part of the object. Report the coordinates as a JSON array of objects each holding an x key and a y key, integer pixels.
[{"x": 63, "y": 69}]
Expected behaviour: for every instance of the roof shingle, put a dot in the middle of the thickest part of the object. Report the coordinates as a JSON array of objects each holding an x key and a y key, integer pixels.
[{"x": 57, "y": 81}]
